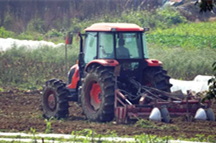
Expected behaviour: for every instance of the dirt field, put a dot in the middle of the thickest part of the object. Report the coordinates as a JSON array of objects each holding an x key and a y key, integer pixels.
[{"x": 21, "y": 110}]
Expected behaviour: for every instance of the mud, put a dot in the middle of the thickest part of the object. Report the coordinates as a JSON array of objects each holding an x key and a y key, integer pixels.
[{"x": 21, "y": 110}]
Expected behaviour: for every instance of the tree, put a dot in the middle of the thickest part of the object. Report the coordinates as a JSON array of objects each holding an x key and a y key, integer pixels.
[{"x": 206, "y": 5}]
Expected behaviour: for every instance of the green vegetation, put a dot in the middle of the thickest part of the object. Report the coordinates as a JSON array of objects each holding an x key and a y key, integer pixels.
[
  {"x": 189, "y": 36},
  {"x": 151, "y": 125},
  {"x": 163, "y": 19},
  {"x": 5, "y": 34},
  {"x": 31, "y": 68},
  {"x": 184, "y": 63}
]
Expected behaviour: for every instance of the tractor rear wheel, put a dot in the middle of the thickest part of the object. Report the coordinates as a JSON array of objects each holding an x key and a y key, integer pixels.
[
  {"x": 54, "y": 99},
  {"x": 157, "y": 78},
  {"x": 97, "y": 95}
]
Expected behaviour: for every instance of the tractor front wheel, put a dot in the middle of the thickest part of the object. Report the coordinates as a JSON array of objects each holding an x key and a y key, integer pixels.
[
  {"x": 97, "y": 95},
  {"x": 54, "y": 99}
]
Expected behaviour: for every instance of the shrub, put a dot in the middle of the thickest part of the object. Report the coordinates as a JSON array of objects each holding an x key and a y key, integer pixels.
[
  {"x": 5, "y": 34},
  {"x": 168, "y": 17}
]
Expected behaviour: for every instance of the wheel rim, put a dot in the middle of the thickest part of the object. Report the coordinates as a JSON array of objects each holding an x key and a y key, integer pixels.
[
  {"x": 95, "y": 96},
  {"x": 51, "y": 101}
]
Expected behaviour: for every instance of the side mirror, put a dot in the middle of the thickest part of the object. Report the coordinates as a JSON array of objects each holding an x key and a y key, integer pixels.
[
  {"x": 69, "y": 38},
  {"x": 146, "y": 29}
]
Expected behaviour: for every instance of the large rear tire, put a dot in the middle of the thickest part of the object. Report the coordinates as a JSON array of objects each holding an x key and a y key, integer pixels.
[
  {"x": 157, "y": 78},
  {"x": 97, "y": 95},
  {"x": 54, "y": 99}
]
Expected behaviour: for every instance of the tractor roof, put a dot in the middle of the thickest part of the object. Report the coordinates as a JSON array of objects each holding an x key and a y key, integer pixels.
[{"x": 114, "y": 27}]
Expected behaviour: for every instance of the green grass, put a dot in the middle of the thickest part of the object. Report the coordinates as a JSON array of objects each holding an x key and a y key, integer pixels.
[
  {"x": 31, "y": 68},
  {"x": 189, "y": 36},
  {"x": 184, "y": 63}
]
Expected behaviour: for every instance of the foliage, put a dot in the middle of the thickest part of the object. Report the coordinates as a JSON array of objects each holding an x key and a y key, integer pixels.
[
  {"x": 193, "y": 35},
  {"x": 150, "y": 124},
  {"x": 206, "y": 5},
  {"x": 168, "y": 17},
  {"x": 35, "y": 25},
  {"x": 183, "y": 63},
  {"x": 1, "y": 89},
  {"x": 211, "y": 94},
  {"x": 48, "y": 125},
  {"x": 31, "y": 68},
  {"x": 54, "y": 33},
  {"x": 5, "y": 34},
  {"x": 42, "y": 16},
  {"x": 163, "y": 18},
  {"x": 33, "y": 131}
]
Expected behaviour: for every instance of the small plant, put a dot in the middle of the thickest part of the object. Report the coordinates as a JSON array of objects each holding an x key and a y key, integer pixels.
[
  {"x": 5, "y": 34},
  {"x": 48, "y": 125},
  {"x": 1, "y": 89},
  {"x": 141, "y": 138},
  {"x": 169, "y": 127},
  {"x": 145, "y": 124},
  {"x": 33, "y": 131},
  {"x": 150, "y": 124}
]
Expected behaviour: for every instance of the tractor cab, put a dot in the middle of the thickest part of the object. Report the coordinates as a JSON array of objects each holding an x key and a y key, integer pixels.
[
  {"x": 115, "y": 44},
  {"x": 124, "y": 43},
  {"x": 114, "y": 41}
]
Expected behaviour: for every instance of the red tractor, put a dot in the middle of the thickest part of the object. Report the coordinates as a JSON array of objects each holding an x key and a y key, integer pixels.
[{"x": 114, "y": 77}]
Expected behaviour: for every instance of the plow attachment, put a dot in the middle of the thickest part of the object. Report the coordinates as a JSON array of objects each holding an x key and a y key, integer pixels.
[
  {"x": 157, "y": 105},
  {"x": 162, "y": 107}
]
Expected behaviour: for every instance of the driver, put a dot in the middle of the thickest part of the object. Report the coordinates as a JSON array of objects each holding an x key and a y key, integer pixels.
[{"x": 122, "y": 52}]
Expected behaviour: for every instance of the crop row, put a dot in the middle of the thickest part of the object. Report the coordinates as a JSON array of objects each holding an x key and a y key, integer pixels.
[{"x": 195, "y": 35}]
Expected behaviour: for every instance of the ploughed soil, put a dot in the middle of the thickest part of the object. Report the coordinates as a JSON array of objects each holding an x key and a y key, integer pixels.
[{"x": 21, "y": 110}]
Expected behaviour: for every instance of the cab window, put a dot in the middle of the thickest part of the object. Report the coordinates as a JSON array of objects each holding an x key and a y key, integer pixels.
[
  {"x": 145, "y": 46},
  {"x": 128, "y": 45},
  {"x": 106, "y": 45},
  {"x": 90, "y": 48}
]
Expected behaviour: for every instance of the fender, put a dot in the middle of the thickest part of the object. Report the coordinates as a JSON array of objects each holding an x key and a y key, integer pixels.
[
  {"x": 75, "y": 78},
  {"x": 106, "y": 63},
  {"x": 153, "y": 62}
]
